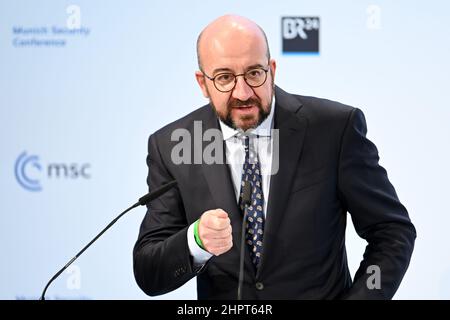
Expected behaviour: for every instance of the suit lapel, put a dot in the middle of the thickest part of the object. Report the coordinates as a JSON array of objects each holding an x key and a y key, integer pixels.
[
  {"x": 292, "y": 128},
  {"x": 218, "y": 178}
]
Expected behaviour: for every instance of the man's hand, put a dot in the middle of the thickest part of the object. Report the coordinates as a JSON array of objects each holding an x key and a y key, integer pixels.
[{"x": 214, "y": 230}]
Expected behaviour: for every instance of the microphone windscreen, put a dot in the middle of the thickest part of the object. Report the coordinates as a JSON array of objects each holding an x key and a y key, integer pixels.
[{"x": 156, "y": 193}]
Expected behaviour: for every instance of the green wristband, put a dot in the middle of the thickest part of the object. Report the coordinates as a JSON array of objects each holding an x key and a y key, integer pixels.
[{"x": 196, "y": 235}]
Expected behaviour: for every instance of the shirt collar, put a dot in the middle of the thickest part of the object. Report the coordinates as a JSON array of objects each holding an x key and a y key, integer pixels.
[{"x": 262, "y": 130}]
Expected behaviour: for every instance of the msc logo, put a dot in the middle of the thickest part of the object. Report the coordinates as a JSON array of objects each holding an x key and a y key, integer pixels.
[
  {"x": 30, "y": 172},
  {"x": 300, "y": 34},
  {"x": 23, "y": 174}
]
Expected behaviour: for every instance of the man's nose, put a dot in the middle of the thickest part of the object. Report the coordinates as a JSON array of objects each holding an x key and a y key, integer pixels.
[{"x": 242, "y": 90}]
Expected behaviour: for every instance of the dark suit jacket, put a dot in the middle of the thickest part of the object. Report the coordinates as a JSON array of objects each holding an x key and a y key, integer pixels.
[{"x": 327, "y": 168}]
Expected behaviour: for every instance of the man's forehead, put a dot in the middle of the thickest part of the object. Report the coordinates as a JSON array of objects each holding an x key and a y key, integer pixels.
[
  {"x": 238, "y": 67},
  {"x": 235, "y": 58},
  {"x": 222, "y": 40}
]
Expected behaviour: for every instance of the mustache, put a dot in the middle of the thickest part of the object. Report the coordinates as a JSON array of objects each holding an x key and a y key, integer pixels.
[{"x": 239, "y": 103}]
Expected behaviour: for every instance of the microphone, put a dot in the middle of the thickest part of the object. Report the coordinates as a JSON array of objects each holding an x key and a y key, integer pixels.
[
  {"x": 141, "y": 202},
  {"x": 246, "y": 195}
]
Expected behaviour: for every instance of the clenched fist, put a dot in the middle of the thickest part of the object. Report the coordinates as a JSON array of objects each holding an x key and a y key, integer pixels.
[{"x": 214, "y": 230}]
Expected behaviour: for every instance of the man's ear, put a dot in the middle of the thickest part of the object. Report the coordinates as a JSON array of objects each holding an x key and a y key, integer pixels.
[
  {"x": 202, "y": 83},
  {"x": 273, "y": 67}
]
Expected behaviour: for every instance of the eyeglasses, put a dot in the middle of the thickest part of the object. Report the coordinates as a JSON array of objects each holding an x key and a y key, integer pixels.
[{"x": 226, "y": 81}]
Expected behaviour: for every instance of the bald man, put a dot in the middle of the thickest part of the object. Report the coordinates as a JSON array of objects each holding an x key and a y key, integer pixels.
[{"x": 307, "y": 163}]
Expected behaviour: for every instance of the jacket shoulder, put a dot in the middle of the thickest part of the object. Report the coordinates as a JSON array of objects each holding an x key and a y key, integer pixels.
[
  {"x": 318, "y": 108},
  {"x": 201, "y": 114}
]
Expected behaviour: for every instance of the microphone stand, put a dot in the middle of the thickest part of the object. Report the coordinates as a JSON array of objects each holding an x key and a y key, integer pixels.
[
  {"x": 142, "y": 201},
  {"x": 246, "y": 194}
]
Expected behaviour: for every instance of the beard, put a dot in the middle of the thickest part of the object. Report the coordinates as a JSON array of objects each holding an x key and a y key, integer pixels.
[
  {"x": 227, "y": 118},
  {"x": 263, "y": 113}
]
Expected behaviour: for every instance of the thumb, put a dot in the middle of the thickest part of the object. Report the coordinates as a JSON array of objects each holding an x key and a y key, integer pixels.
[{"x": 219, "y": 213}]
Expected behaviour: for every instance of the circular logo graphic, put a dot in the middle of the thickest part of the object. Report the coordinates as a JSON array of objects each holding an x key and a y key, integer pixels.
[{"x": 24, "y": 168}]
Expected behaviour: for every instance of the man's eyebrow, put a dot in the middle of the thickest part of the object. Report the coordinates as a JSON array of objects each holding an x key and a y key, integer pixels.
[
  {"x": 222, "y": 70},
  {"x": 253, "y": 66}
]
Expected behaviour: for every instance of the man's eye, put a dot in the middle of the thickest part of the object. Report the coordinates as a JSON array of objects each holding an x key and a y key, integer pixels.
[
  {"x": 254, "y": 73},
  {"x": 224, "y": 77}
]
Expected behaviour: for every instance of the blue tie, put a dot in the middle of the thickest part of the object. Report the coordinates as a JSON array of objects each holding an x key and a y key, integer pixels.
[{"x": 255, "y": 215}]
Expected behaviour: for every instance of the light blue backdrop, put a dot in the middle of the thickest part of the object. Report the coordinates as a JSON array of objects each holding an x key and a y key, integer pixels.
[{"x": 90, "y": 101}]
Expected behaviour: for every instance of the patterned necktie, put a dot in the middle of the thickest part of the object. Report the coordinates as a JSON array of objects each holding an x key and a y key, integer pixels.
[{"x": 255, "y": 215}]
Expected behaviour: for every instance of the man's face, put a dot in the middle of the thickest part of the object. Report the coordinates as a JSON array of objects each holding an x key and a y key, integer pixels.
[{"x": 244, "y": 107}]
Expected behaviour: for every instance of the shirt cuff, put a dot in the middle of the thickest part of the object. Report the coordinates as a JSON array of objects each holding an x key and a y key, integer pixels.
[{"x": 199, "y": 255}]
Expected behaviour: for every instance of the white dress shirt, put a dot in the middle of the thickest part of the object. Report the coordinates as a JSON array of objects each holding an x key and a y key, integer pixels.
[{"x": 235, "y": 157}]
